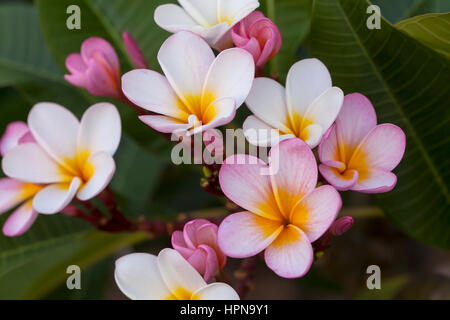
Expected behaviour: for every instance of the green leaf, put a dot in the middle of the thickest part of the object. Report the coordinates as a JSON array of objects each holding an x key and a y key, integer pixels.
[
  {"x": 409, "y": 85},
  {"x": 390, "y": 288},
  {"x": 430, "y": 29},
  {"x": 397, "y": 10},
  {"x": 23, "y": 53}
]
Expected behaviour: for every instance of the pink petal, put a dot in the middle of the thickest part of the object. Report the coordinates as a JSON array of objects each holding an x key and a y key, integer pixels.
[
  {"x": 315, "y": 213},
  {"x": 180, "y": 245},
  {"x": 75, "y": 63},
  {"x": 93, "y": 46},
  {"x": 190, "y": 231},
  {"x": 10, "y": 194},
  {"x": 13, "y": 132},
  {"x": 329, "y": 147},
  {"x": 356, "y": 118},
  {"x": 198, "y": 260},
  {"x": 382, "y": 148},
  {"x": 294, "y": 171},
  {"x": 27, "y": 138},
  {"x": 211, "y": 263},
  {"x": 20, "y": 220},
  {"x": 245, "y": 234},
  {"x": 341, "y": 181},
  {"x": 291, "y": 254},
  {"x": 243, "y": 181},
  {"x": 376, "y": 181},
  {"x": 100, "y": 79},
  {"x": 134, "y": 51},
  {"x": 341, "y": 226}
]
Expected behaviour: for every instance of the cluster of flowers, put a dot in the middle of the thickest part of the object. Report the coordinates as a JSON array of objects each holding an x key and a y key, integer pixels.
[{"x": 55, "y": 158}]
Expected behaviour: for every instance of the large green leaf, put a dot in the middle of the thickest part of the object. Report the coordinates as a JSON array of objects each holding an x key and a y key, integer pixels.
[
  {"x": 396, "y": 10},
  {"x": 23, "y": 53},
  {"x": 430, "y": 29},
  {"x": 409, "y": 85}
]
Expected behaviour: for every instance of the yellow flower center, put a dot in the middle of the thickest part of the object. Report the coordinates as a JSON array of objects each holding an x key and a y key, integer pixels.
[
  {"x": 78, "y": 166},
  {"x": 198, "y": 105},
  {"x": 297, "y": 124},
  {"x": 182, "y": 294}
]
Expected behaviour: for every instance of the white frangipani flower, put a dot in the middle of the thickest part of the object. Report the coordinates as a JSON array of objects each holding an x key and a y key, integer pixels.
[
  {"x": 305, "y": 109},
  {"x": 70, "y": 157},
  {"x": 210, "y": 19},
  {"x": 143, "y": 276}
]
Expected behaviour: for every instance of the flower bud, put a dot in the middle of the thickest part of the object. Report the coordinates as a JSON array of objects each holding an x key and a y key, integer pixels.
[
  {"x": 134, "y": 51},
  {"x": 341, "y": 226}
]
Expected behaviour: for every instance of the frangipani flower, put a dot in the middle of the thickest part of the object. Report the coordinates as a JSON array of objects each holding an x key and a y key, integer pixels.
[
  {"x": 70, "y": 157},
  {"x": 305, "y": 109},
  {"x": 143, "y": 276},
  {"x": 259, "y": 36},
  {"x": 13, "y": 192},
  {"x": 286, "y": 212},
  {"x": 210, "y": 19},
  {"x": 356, "y": 153},
  {"x": 97, "y": 68},
  {"x": 199, "y": 91},
  {"x": 197, "y": 243}
]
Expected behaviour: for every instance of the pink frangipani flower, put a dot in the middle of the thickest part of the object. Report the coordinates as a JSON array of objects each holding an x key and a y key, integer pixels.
[
  {"x": 134, "y": 52},
  {"x": 197, "y": 243},
  {"x": 14, "y": 192},
  {"x": 198, "y": 92},
  {"x": 96, "y": 69},
  {"x": 356, "y": 153},
  {"x": 70, "y": 157},
  {"x": 286, "y": 212},
  {"x": 259, "y": 36}
]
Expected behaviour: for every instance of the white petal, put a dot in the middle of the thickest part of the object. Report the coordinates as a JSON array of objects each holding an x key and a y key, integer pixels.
[
  {"x": 314, "y": 133},
  {"x": 259, "y": 133},
  {"x": 103, "y": 168},
  {"x": 100, "y": 129},
  {"x": 324, "y": 110},
  {"x": 151, "y": 91},
  {"x": 231, "y": 75},
  {"x": 10, "y": 194},
  {"x": 185, "y": 59},
  {"x": 20, "y": 220},
  {"x": 55, "y": 129},
  {"x": 218, "y": 36},
  {"x": 173, "y": 18},
  {"x": 216, "y": 291},
  {"x": 306, "y": 80},
  {"x": 219, "y": 113},
  {"x": 55, "y": 197},
  {"x": 178, "y": 274},
  {"x": 165, "y": 124},
  {"x": 30, "y": 163},
  {"x": 138, "y": 277},
  {"x": 202, "y": 11},
  {"x": 236, "y": 10},
  {"x": 267, "y": 101}
]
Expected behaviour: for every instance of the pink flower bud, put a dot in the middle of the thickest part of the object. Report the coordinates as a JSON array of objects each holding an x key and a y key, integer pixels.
[
  {"x": 96, "y": 69},
  {"x": 197, "y": 243},
  {"x": 134, "y": 51},
  {"x": 259, "y": 36},
  {"x": 341, "y": 226},
  {"x": 15, "y": 134}
]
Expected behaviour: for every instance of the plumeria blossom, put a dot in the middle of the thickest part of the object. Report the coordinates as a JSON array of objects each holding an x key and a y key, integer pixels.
[
  {"x": 210, "y": 19},
  {"x": 197, "y": 243},
  {"x": 356, "y": 153},
  {"x": 286, "y": 212},
  {"x": 199, "y": 91},
  {"x": 305, "y": 109},
  {"x": 70, "y": 157},
  {"x": 168, "y": 276},
  {"x": 14, "y": 192},
  {"x": 259, "y": 36}
]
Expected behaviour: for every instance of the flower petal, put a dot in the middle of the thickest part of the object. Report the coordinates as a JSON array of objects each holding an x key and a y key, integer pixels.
[
  {"x": 329, "y": 147},
  {"x": 291, "y": 254},
  {"x": 315, "y": 213},
  {"x": 173, "y": 18},
  {"x": 134, "y": 52},
  {"x": 13, "y": 133},
  {"x": 55, "y": 197},
  {"x": 185, "y": 59},
  {"x": 294, "y": 171},
  {"x": 180, "y": 245},
  {"x": 306, "y": 80},
  {"x": 103, "y": 168},
  {"x": 100, "y": 129},
  {"x": 55, "y": 129},
  {"x": 165, "y": 124},
  {"x": 179, "y": 276},
  {"x": 267, "y": 101},
  {"x": 204, "y": 12},
  {"x": 375, "y": 181},
  {"x": 243, "y": 181},
  {"x": 312, "y": 135},
  {"x": 20, "y": 220},
  {"x": 356, "y": 118},
  {"x": 218, "y": 113},
  {"x": 95, "y": 45},
  {"x": 259, "y": 133},
  {"x": 30, "y": 163},
  {"x": 341, "y": 181},
  {"x": 217, "y": 291},
  {"x": 11, "y": 194},
  {"x": 382, "y": 148},
  {"x": 100, "y": 79},
  {"x": 231, "y": 75},
  {"x": 245, "y": 234},
  {"x": 234, "y": 11},
  {"x": 138, "y": 277},
  {"x": 151, "y": 91}
]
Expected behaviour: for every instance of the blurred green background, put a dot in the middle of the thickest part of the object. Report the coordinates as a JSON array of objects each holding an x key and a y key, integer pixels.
[{"x": 403, "y": 68}]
